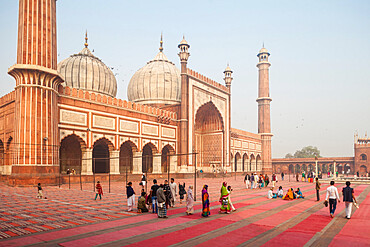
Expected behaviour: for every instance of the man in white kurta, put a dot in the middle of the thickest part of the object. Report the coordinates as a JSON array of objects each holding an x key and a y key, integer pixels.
[{"x": 173, "y": 187}]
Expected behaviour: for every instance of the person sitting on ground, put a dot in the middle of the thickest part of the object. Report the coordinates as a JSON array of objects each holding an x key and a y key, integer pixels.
[
  {"x": 299, "y": 194},
  {"x": 271, "y": 195},
  {"x": 280, "y": 192},
  {"x": 141, "y": 205},
  {"x": 294, "y": 194},
  {"x": 289, "y": 195}
]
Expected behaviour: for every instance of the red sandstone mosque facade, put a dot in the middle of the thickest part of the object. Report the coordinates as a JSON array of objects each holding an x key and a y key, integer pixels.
[{"x": 65, "y": 116}]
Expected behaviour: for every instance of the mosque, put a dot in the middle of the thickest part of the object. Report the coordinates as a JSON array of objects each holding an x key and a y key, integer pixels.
[{"x": 66, "y": 115}]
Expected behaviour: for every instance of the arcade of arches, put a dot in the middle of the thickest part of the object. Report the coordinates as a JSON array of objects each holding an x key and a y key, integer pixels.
[
  {"x": 246, "y": 164},
  {"x": 293, "y": 168}
]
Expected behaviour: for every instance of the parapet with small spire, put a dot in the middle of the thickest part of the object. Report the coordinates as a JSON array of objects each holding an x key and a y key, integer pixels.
[{"x": 207, "y": 80}]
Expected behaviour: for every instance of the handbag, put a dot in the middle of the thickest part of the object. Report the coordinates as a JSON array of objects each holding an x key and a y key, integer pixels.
[
  {"x": 161, "y": 204},
  {"x": 326, "y": 203}
]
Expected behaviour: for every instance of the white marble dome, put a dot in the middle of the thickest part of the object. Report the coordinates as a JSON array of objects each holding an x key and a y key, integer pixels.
[
  {"x": 158, "y": 82},
  {"x": 87, "y": 72}
]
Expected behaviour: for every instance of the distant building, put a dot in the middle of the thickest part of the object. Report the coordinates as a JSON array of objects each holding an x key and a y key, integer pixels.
[{"x": 349, "y": 165}]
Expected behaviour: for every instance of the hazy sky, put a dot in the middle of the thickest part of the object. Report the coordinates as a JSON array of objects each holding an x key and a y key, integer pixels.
[{"x": 320, "y": 50}]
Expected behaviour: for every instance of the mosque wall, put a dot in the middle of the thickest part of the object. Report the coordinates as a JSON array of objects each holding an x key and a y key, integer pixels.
[
  {"x": 246, "y": 151},
  {"x": 7, "y": 106}
]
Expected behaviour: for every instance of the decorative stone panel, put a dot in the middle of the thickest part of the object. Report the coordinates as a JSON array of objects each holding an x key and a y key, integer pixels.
[
  {"x": 128, "y": 126},
  {"x": 73, "y": 117},
  {"x": 104, "y": 122},
  {"x": 168, "y": 132},
  {"x": 149, "y": 129}
]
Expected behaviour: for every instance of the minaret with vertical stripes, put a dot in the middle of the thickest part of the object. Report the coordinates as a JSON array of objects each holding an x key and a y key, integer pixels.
[
  {"x": 36, "y": 137},
  {"x": 264, "y": 124}
]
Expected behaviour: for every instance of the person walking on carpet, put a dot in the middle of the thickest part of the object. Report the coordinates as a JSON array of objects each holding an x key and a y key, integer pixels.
[
  {"x": 153, "y": 193},
  {"x": 161, "y": 197},
  {"x": 182, "y": 192},
  {"x": 333, "y": 196},
  {"x": 318, "y": 185},
  {"x": 190, "y": 201},
  {"x": 348, "y": 198},
  {"x": 224, "y": 199},
  {"x": 130, "y": 196},
  {"x": 205, "y": 201},
  {"x": 173, "y": 187},
  {"x": 39, "y": 192},
  {"x": 246, "y": 180},
  {"x": 99, "y": 190}
]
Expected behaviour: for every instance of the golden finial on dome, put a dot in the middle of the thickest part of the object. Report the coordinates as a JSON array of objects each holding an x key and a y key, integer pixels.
[
  {"x": 86, "y": 44},
  {"x": 161, "y": 44}
]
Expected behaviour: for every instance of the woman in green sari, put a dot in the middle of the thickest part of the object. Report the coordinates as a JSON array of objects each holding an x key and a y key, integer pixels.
[{"x": 224, "y": 199}]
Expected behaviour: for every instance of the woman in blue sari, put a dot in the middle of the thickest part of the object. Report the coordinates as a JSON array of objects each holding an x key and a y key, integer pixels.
[{"x": 205, "y": 201}]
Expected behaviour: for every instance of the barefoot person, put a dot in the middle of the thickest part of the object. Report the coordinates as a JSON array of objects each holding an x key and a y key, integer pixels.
[{"x": 333, "y": 196}]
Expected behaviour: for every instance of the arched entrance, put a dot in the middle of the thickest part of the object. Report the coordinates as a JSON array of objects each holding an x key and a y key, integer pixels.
[
  {"x": 165, "y": 158},
  {"x": 291, "y": 168},
  {"x": 363, "y": 170},
  {"x": 245, "y": 162},
  {"x": 237, "y": 161},
  {"x": 258, "y": 163},
  {"x": 310, "y": 168},
  {"x": 126, "y": 157},
  {"x": 251, "y": 163},
  {"x": 147, "y": 158},
  {"x": 209, "y": 135},
  {"x": 347, "y": 168},
  {"x": 101, "y": 161},
  {"x": 297, "y": 168},
  {"x": 324, "y": 168},
  {"x": 70, "y": 154},
  {"x": 304, "y": 168}
]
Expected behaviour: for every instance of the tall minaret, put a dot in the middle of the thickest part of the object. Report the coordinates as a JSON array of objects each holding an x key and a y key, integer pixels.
[
  {"x": 36, "y": 137},
  {"x": 228, "y": 79},
  {"x": 184, "y": 111},
  {"x": 264, "y": 124}
]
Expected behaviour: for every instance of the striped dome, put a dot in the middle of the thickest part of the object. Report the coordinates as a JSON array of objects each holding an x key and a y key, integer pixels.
[{"x": 87, "y": 72}]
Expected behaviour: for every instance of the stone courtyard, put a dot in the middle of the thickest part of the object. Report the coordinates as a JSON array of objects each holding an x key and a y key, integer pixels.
[{"x": 71, "y": 217}]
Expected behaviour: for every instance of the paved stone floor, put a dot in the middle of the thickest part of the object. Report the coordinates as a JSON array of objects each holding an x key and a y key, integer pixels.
[{"x": 71, "y": 217}]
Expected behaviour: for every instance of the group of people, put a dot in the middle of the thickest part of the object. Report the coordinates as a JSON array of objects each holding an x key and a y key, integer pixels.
[
  {"x": 290, "y": 195},
  {"x": 254, "y": 181}
]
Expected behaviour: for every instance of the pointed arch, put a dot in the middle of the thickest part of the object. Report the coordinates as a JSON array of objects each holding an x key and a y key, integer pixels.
[
  {"x": 258, "y": 163},
  {"x": 251, "y": 163},
  {"x": 101, "y": 153},
  {"x": 245, "y": 162},
  {"x": 70, "y": 153},
  {"x": 209, "y": 134},
  {"x": 237, "y": 161},
  {"x": 126, "y": 154},
  {"x": 149, "y": 150},
  {"x": 166, "y": 151}
]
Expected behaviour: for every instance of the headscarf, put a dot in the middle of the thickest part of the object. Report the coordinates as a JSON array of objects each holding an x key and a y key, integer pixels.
[
  {"x": 205, "y": 188},
  {"x": 224, "y": 192}
]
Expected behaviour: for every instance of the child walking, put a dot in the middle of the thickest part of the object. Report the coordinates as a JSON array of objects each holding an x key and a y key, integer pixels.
[
  {"x": 39, "y": 191},
  {"x": 99, "y": 190}
]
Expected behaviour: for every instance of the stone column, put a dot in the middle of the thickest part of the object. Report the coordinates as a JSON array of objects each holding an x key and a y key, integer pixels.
[
  {"x": 86, "y": 168},
  {"x": 157, "y": 163},
  {"x": 114, "y": 162},
  {"x": 137, "y": 163}
]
